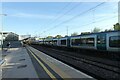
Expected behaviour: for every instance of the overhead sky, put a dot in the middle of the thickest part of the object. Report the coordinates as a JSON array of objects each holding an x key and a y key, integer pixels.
[{"x": 52, "y": 18}]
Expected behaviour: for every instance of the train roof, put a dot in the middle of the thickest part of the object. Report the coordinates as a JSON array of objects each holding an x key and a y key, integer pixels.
[
  {"x": 48, "y": 39},
  {"x": 55, "y": 38}
]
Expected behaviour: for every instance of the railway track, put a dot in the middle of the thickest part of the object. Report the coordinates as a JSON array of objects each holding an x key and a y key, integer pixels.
[
  {"x": 98, "y": 60},
  {"x": 99, "y": 69}
]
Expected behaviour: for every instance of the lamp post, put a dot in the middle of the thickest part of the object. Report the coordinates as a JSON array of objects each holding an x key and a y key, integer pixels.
[
  {"x": 1, "y": 60},
  {"x": 2, "y": 29}
]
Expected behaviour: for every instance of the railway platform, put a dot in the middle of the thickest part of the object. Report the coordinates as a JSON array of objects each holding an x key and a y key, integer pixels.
[
  {"x": 57, "y": 67},
  {"x": 29, "y": 63}
]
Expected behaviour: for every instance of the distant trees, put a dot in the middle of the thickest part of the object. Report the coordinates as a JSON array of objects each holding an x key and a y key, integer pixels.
[
  {"x": 66, "y": 36},
  {"x": 108, "y": 30},
  {"x": 58, "y": 36},
  {"x": 116, "y": 26},
  {"x": 96, "y": 29},
  {"x": 74, "y": 34},
  {"x": 49, "y": 37}
]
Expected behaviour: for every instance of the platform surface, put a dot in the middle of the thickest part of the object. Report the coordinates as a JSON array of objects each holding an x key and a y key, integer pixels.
[
  {"x": 18, "y": 64},
  {"x": 64, "y": 70}
]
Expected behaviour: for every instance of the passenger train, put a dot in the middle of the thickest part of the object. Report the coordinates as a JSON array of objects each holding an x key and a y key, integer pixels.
[{"x": 109, "y": 41}]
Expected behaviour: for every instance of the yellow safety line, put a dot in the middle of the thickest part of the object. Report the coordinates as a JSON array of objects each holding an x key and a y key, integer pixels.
[
  {"x": 46, "y": 70},
  {"x": 55, "y": 68}
]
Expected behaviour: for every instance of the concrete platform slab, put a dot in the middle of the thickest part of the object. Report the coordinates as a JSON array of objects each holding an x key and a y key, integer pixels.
[{"x": 18, "y": 64}]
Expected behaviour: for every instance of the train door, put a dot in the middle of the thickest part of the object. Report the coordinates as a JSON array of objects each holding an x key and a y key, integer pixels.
[
  {"x": 68, "y": 42},
  {"x": 101, "y": 41}
]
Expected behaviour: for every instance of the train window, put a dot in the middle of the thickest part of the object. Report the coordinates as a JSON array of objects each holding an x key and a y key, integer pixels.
[
  {"x": 114, "y": 41},
  {"x": 55, "y": 42},
  {"x": 63, "y": 42},
  {"x": 76, "y": 42},
  {"x": 83, "y": 41},
  {"x": 101, "y": 40},
  {"x": 90, "y": 41},
  {"x": 87, "y": 41},
  {"x": 50, "y": 42}
]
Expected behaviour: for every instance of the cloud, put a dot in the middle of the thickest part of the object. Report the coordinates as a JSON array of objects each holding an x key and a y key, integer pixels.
[
  {"x": 41, "y": 16},
  {"x": 27, "y": 15}
]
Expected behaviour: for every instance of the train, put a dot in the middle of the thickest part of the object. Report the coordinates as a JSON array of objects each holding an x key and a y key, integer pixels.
[{"x": 104, "y": 41}]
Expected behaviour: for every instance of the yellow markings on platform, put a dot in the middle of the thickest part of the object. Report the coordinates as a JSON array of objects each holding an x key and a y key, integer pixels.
[
  {"x": 46, "y": 70},
  {"x": 60, "y": 72}
]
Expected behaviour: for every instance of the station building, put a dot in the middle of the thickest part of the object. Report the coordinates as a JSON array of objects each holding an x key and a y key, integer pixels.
[{"x": 9, "y": 36}]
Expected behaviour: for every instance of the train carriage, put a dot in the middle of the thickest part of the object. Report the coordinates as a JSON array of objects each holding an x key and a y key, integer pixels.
[{"x": 104, "y": 41}]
